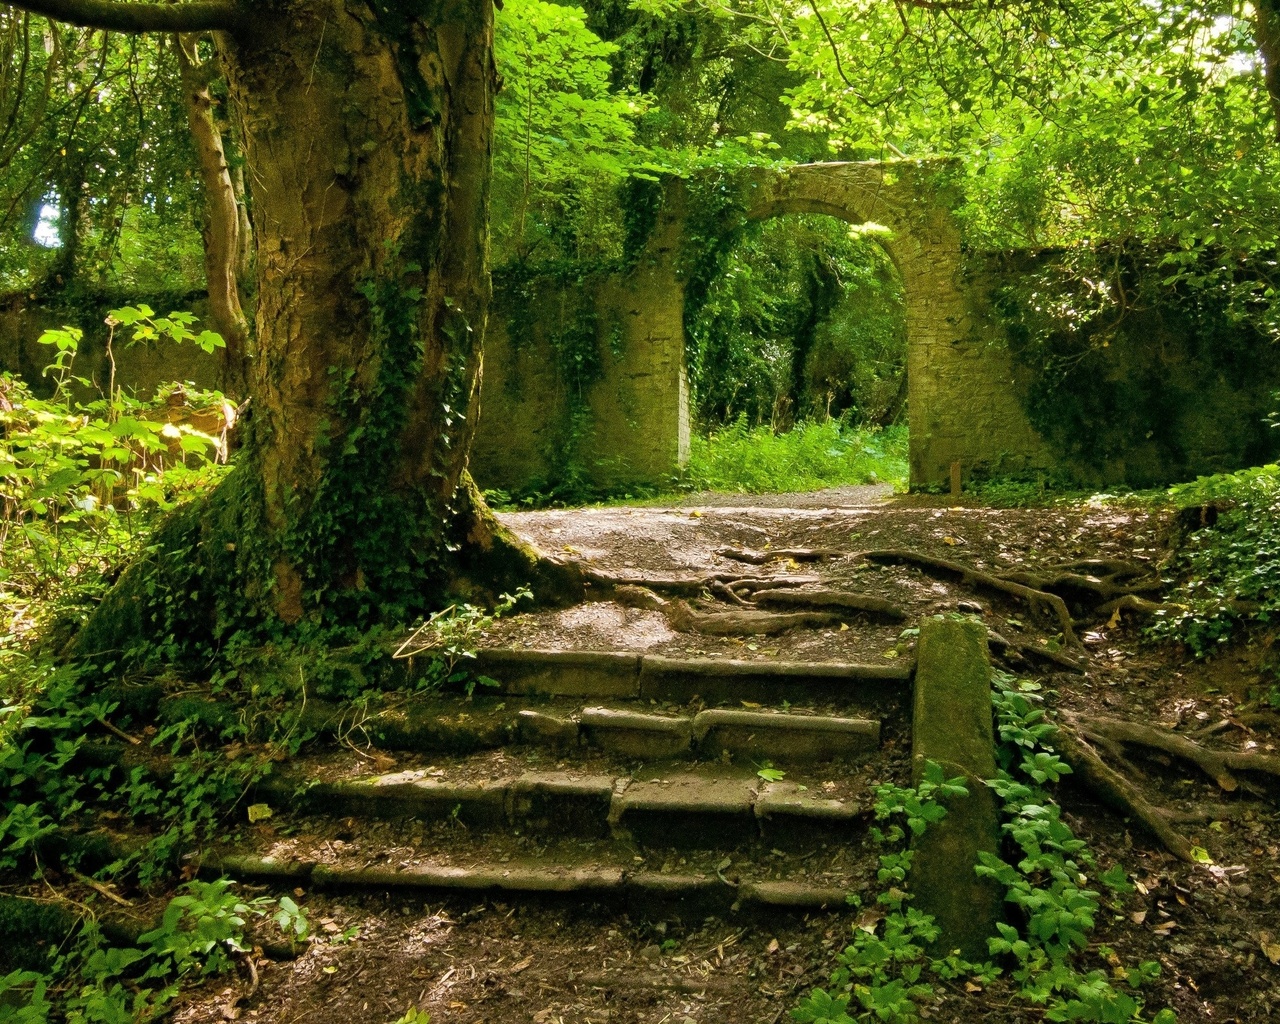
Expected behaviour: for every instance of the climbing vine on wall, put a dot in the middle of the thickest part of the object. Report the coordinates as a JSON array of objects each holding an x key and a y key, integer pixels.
[{"x": 1131, "y": 377}]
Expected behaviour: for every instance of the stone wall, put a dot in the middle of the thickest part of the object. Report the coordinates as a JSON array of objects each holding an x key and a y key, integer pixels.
[
  {"x": 632, "y": 424},
  {"x": 140, "y": 369},
  {"x": 629, "y": 424},
  {"x": 962, "y": 400}
]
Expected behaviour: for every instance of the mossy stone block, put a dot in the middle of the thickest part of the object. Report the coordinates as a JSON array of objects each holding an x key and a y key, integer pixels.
[{"x": 952, "y": 725}]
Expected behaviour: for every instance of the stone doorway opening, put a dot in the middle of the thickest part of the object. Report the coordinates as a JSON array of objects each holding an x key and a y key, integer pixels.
[{"x": 804, "y": 323}]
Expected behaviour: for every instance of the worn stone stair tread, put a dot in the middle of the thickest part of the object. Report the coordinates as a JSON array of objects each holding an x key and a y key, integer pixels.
[
  {"x": 555, "y": 672},
  {"x": 637, "y": 734},
  {"x": 597, "y": 879},
  {"x": 696, "y": 806}
]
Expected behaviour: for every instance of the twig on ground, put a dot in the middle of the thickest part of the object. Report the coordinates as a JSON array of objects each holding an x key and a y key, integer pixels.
[
  {"x": 100, "y": 888},
  {"x": 115, "y": 731}
]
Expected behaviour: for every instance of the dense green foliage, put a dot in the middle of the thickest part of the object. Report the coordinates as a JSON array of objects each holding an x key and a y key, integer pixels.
[
  {"x": 97, "y": 175},
  {"x": 82, "y": 480},
  {"x": 805, "y": 320},
  {"x": 1228, "y": 568}
]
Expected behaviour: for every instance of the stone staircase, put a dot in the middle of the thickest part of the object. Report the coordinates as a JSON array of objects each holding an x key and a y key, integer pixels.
[{"x": 648, "y": 785}]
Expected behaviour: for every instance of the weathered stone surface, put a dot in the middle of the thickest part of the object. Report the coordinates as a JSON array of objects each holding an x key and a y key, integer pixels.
[
  {"x": 545, "y": 730},
  {"x": 510, "y": 878},
  {"x": 784, "y": 736},
  {"x": 799, "y": 895},
  {"x": 952, "y": 726},
  {"x": 412, "y": 794},
  {"x": 723, "y": 679},
  {"x": 787, "y": 803},
  {"x": 552, "y": 801},
  {"x": 635, "y": 734},
  {"x": 687, "y": 810},
  {"x": 561, "y": 673}
]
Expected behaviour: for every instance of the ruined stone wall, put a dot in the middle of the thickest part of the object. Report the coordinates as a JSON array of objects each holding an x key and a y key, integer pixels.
[
  {"x": 629, "y": 424},
  {"x": 140, "y": 369}
]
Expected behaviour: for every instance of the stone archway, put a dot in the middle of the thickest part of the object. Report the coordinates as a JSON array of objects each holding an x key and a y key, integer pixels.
[
  {"x": 963, "y": 407},
  {"x": 963, "y": 403}
]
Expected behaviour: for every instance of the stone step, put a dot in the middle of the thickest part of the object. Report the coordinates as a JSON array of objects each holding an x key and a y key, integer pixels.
[
  {"x": 451, "y": 725},
  {"x": 632, "y": 676},
  {"x": 600, "y": 875},
  {"x": 708, "y": 734},
  {"x": 701, "y": 809}
]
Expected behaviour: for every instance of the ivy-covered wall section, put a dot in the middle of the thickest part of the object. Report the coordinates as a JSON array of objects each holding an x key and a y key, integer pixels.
[
  {"x": 584, "y": 385},
  {"x": 1131, "y": 381}
]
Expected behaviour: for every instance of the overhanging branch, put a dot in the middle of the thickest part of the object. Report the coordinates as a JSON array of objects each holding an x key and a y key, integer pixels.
[{"x": 199, "y": 16}]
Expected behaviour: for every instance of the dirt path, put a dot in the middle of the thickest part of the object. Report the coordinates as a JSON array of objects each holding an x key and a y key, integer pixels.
[{"x": 1213, "y": 928}]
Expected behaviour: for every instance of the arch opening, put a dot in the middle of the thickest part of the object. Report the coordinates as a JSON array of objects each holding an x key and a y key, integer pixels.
[{"x": 802, "y": 335}]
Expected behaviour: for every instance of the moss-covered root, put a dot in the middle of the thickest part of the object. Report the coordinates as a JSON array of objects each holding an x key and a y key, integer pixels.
[
  {"x": 952, "y": 726},
  {"x": 492, "y": 559},
  {"x": 194, "y": 580}
]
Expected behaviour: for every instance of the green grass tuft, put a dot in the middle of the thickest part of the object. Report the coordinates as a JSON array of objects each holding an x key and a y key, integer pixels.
[{"x": 811, "y": 456}]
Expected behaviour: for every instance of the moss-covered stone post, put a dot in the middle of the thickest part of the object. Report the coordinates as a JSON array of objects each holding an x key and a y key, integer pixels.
[{"x": 952, "y": 725}]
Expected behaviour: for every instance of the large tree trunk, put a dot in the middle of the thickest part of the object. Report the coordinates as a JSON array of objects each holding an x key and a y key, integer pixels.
[
  {"x": 367, "y": 138},
  {"x": 366, "y": 133}
]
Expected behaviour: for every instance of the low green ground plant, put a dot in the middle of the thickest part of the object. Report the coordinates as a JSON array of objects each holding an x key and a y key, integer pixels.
[
  {"x": 1228, "y": 571},
  {"x": 888, "y": 973},
  {"x": 90, "y": 980},
  {"x": 82, "y": 478}
]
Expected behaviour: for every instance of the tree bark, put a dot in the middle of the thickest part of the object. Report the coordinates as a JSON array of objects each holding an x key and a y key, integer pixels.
[
  {"x": 366, "y": 131},
  {"x": 222, "y": 218},
  {"x": 1266, "y": 30},
  {"x": 367, "y": 139}
]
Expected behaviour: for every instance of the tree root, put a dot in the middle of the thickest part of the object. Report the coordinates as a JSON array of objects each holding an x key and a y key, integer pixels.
[
  {"x": 685, "y": 619},
  {"x": 1034, "y": 652},
  {"x": 1039, "y": 600},
  {"x": 1084, "y": 589},
  {"x": 693, "y": 586},
  {"x": 1135, "y": 604},
  {"x": 1113, "y": 569},
  {"x": 832, "y": 600},
  {"x": 1217, "y": 764},
  {"x": 493, "y": 555},
  {"x": 780, "y": 554},
  {"x": 1118, "y": 793}
]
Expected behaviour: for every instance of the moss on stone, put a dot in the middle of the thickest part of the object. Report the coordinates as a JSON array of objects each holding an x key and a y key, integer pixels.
[{"x": 952, "y": 726}]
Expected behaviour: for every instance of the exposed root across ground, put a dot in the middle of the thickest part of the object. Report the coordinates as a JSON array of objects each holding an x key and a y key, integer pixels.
[
  {"x": 1114, "y": 790},
  {"x": 692, "y": 586},
  {"x": 780, "y": 554},
  {"x": 1080, "y": 739},
  {"x": 1219, "y": 765},
  {"x": 738, "y": 622},
  {"x": 1040, "y": 601}
]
